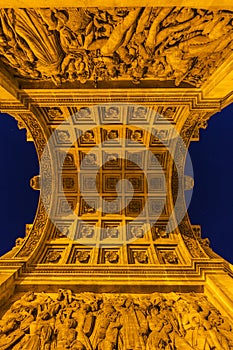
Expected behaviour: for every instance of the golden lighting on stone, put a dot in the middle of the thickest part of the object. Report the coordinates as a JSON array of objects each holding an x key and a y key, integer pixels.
[{"x": 92, "y": 86}]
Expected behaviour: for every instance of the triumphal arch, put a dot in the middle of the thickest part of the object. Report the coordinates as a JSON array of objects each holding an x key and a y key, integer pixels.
[{"x": 112, "y": 95}]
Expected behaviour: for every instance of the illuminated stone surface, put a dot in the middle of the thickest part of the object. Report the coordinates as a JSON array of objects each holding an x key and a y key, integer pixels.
[{"x": 123, "y": 92}]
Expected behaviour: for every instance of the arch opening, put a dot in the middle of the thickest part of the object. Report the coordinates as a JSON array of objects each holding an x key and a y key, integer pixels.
[
  {"x": 18, "y": 201},
  {"x": 212, "y": 204}
]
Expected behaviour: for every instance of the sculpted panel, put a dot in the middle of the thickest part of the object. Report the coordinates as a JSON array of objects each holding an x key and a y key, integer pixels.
[
  {"x": 89, "y": 321},
  {"x": 81, "y": 44}
]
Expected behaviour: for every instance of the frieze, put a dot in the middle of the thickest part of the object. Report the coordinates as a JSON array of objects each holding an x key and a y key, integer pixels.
[
  {"x": 99, "y": 44},
  {"x": 91, "y": 321}
]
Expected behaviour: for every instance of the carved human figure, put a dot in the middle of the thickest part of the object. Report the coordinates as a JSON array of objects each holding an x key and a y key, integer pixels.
[
  {"x": 53, "y": 19},
  {"x": 65, "y": 297},
  {"x": 49, "y": 55},
  {"x": 134, "y": 325},
  {"x": 180, "y": 66},
  {"x": 111, "y": 335},
  {"x": 28, "y": 302},
  {"x": 81, "y": 44},
  {"x": 68, "y": 41},
  {"x": 40, "y": 333},
  {"x": 46, "y": 330},
  {"x": 89, "y": 321},
  {"x": 221, "y": 340},
  {"x": 23, "y": 317},
  {"x": 105, "y": 333},
  {"x": 215, "y": 36},
  {"x": 9, "y": 332},
  {"x": 194, "y": 330},
  {"x": 160, "y": 328},
  {"x": 65, "y": 332},
  {"x": 83, "y": 315},
  {"x": 225, "y": 330}
]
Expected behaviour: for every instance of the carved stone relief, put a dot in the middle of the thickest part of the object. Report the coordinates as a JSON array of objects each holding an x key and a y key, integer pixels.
[
  {"x": 53, "y": 256},
  {"x": 140, "y": 257},
  {"x": 113, "y": 162},
  {"x": 82, "y": 257},
  {"x": 81, "y": 44},
  {"x": 111, "y": 256},
  {"x": 169, "y": 257},
  {"x": 89, "y": 321},
  {"x": 159, "y": 232}
]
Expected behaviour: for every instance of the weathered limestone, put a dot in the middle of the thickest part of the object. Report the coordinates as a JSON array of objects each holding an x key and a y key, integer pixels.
[{"x": 112, "y": 94}]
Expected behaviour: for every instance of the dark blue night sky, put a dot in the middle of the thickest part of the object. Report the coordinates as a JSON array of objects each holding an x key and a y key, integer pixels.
[
  {"x": 18, "y": 201},
  {"x": 212, "y": 200},
  {"x": 211, "y": 205}
]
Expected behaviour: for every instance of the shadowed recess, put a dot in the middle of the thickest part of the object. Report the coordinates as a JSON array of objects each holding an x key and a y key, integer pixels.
[{"x": 19, "y": 163}]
